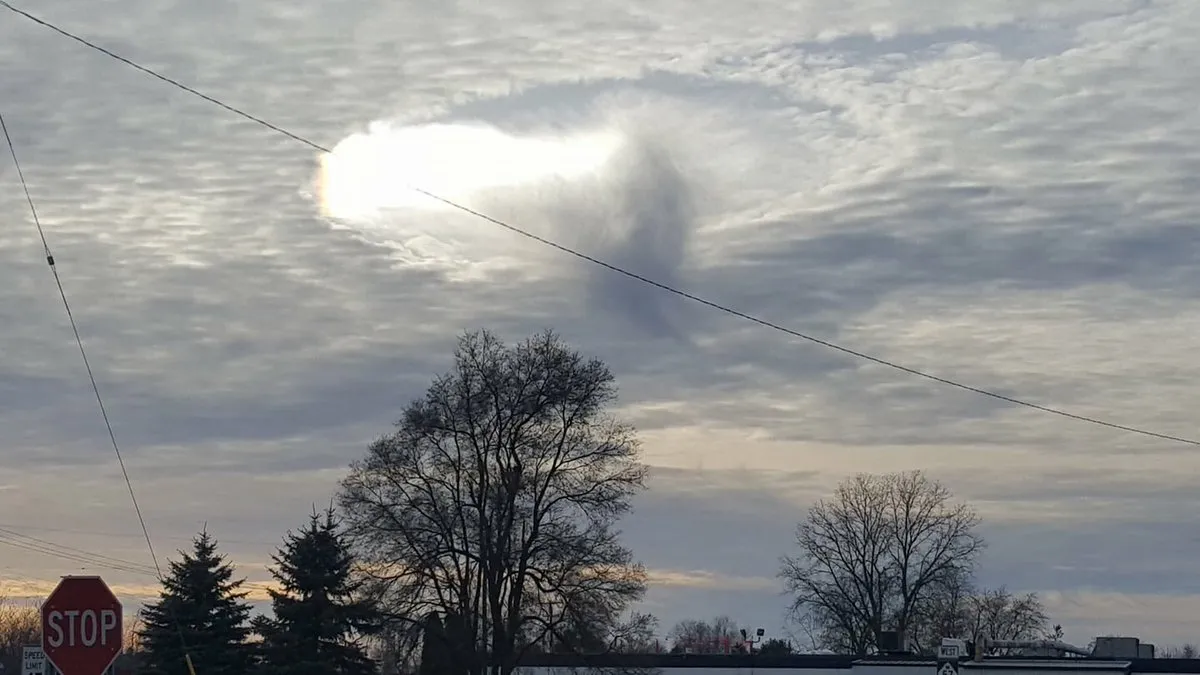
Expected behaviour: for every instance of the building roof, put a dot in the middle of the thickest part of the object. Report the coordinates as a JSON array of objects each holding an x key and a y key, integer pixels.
[{"x": 803, "y": 662}]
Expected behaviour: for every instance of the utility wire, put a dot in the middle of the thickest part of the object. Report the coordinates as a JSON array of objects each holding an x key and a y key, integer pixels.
[
  {"x": 112, "y": 437},
  {"x": 619, "y": 270},
  {"x": 70, "y": 550},
  {"x": 107, "y": 563},
  {"x": 22, "y": 528},
  {"x": 65, "y": 552},
  {"x": 62, "y": 293},
  {"x": 11, "y": 535}
]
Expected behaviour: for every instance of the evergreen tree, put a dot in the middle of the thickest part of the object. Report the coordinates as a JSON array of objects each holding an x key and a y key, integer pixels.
[
  {"x": 201, "y": 607},
  {"x": 317, "y": 613}
]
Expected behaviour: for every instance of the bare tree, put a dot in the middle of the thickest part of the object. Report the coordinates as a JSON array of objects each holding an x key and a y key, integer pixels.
[
  {"x": 698, "y": 636},
  {"x": 494, "y": 502},
  {"x": 1184, "y": 651},
  {"x": 874, "y": 556},
  {"x": 998, "y": 614},
  {"x": 132, "y": 635},
  {"x": 20, "y": 625},
  {"x": 396, "y": 648},
  {"x": 806, "y": 633},
  {"x": 946, "y": 613},
  {"x": 635, "y": 635}
]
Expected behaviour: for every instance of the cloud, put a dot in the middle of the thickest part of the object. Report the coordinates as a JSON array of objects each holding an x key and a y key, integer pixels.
[
  {"x": 132, "y": 596},
  {"x": 1000, "y": 192},
  {"x": 611, "y": 187},
  {"x": 658, "y": 215},
  {"x": 703, "y": 579},
  {"x": 1163, "y": 618}
]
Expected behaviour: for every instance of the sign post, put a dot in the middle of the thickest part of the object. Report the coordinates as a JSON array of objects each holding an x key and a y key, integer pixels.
[
  {"x": 81, "y": 626},
  {"x": 33, "y": 660},
  {"x": 949, "y": 652}
]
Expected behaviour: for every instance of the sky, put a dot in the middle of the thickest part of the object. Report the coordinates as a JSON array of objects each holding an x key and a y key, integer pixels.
[{"x": 1001, "y": 192}]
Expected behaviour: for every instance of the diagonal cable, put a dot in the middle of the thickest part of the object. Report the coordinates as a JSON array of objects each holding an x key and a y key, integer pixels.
[{"x": 619, "y": 270}]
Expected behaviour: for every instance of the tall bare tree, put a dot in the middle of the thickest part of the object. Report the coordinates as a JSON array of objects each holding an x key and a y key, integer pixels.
[
  {"x": 875, "y": 556},
  {"x": 494, "y": 502}
]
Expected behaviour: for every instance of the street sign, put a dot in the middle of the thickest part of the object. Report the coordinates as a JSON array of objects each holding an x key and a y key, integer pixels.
[
  {"x": 33, "y": 660},
  {"x": 948, "y": 652},
  {"x": 81, "y": 626}
]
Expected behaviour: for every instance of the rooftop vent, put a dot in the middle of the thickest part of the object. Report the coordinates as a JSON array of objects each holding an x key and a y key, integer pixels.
[
  {"x": 892, "y": 642},
  {"x": 1116, "y": 648}
]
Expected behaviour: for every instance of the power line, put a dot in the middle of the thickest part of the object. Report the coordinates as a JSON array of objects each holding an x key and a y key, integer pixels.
[
  {"x": 89, "y": 560},
  {"x": 93, "y": 559},
  {"x": 62, "y": 293},
  {"x": 19, "y": 527},
  {"x": 11, "y": 535},
  {"x": 614, "y": 268},
  {"x": 70, "y": 550},
  {"x": 112, "y": 437}
]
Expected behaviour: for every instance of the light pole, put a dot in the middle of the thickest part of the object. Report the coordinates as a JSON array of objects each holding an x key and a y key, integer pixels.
[{"x": 757, "y": 634}]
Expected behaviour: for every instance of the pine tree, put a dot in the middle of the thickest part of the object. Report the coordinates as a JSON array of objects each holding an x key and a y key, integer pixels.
[
  {"x": 200, "y": 606},
  {"x": 317, "y": 614}
]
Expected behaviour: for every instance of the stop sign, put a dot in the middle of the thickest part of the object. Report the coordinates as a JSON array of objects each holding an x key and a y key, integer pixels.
[{"x": 81, "y": 626}]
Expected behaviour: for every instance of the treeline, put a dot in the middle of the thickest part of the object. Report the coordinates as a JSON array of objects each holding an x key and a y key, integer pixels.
[
  {"x": 319, "y": 615},
  {"x": 483, "y": 529}
]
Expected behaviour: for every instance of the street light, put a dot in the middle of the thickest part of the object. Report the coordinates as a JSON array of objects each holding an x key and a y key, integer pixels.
[{"x": 758, "y": 634}]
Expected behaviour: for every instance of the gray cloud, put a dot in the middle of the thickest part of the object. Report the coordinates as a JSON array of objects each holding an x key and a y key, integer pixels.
[
  {"x": 1000, "y": 191},
  {"x": 658, "y": 208}
]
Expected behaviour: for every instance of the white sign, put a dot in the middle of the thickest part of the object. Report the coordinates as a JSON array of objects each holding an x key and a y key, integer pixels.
[
  {"x": 33, "y": 661},
  {"x": 947, "y": 669},
  {"x": 948, "y": 652}
]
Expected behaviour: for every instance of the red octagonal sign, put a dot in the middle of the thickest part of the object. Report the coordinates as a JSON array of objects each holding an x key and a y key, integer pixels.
[{"x": 81, "y": 626}]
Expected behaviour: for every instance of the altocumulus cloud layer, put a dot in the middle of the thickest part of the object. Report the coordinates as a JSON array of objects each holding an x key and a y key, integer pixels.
[{"x": 1002, "y": 192}]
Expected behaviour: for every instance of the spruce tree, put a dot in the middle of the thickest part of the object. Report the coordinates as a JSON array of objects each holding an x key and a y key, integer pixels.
[
  {"x": 318, "y": 613},
  {"x": 200, "y": 606}
]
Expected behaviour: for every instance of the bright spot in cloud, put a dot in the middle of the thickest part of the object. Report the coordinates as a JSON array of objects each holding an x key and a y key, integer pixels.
[{"x": 372, "y": 172}]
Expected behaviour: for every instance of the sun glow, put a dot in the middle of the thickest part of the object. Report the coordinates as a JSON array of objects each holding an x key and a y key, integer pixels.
[{"x": 376, "y": 171}]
